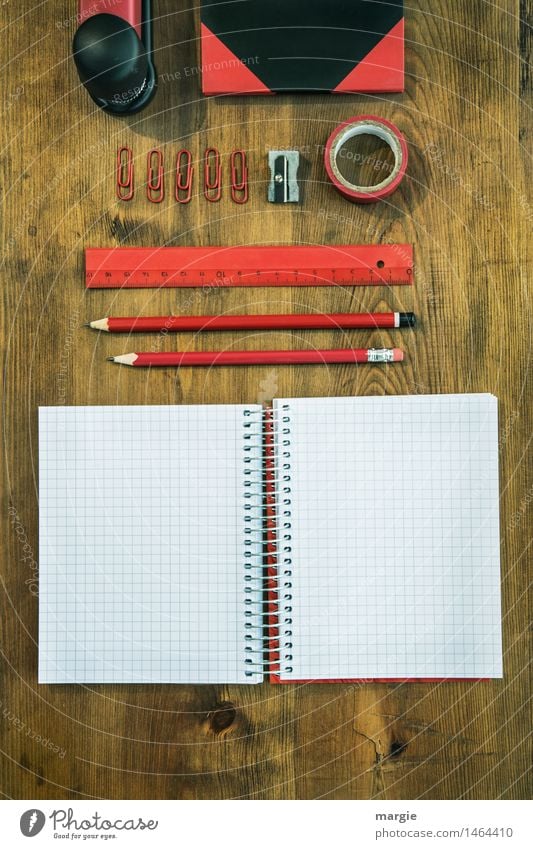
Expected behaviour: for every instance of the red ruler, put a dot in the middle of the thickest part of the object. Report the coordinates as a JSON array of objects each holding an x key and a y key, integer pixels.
[{"x": 321, "y": 265}]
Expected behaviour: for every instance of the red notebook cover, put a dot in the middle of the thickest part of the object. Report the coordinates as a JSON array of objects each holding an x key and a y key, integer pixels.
[{"x": 340, "y": 46}]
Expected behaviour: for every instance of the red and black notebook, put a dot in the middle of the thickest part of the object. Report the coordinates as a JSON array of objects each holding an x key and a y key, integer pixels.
[
  {"x": 322, "y": 539},
  {"x": 340, "y": 46}
]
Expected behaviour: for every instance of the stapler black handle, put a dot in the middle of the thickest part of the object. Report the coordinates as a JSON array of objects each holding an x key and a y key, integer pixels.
[{"x": 113, "y": 54}]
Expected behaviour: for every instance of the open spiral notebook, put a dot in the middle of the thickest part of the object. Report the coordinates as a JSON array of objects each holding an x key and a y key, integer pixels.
[{"x": 323, "y": 539}]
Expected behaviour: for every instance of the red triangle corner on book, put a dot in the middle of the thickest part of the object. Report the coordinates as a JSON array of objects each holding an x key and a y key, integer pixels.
[
  {"x": 382, "y": 69},
  {"x": 225, "y": 73}
]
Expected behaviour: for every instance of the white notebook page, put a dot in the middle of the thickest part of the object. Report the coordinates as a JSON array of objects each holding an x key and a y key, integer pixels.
[
  {"x": 394, "y": 513},
  {"x": 142, "y": 544}
]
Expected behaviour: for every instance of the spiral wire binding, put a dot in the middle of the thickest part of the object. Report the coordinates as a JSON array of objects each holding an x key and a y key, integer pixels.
[{"x": 268, "y": 562}]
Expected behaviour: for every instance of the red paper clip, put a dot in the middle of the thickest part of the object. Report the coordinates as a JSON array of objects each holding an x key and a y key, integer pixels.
[
  {"x": 155, "y": 186},
  {"x": 239, "y": 185},
  {"x": 212, "y": 165},
  {"x": 125, "y": 184},
  {"x": 184, "y": 163}
]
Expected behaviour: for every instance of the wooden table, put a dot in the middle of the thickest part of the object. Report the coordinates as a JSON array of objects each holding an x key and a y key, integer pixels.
[{"x": 465, "y": 208}]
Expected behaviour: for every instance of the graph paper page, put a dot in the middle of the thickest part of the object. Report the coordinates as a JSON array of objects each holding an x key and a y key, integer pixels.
[
  {"x": 142, "y": 544},
  {"x": 394, "y": 526}
]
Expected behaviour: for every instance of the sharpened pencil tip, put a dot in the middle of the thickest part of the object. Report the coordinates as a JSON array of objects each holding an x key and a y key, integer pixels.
[
  {"x": 101, "y": 324},
  {"x": 126, "y": 359},
  {"x": 110, "y": 359}
]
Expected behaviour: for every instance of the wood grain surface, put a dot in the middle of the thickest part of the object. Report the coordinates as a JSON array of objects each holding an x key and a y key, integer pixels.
[{"x": 465, "y": 207}]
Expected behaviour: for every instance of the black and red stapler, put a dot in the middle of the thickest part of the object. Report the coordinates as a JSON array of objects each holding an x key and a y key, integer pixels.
[{"x": 114, "y": 53}]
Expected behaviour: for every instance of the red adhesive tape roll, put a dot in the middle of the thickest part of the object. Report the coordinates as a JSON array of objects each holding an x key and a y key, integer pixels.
[{"x": 373, "y": 126}]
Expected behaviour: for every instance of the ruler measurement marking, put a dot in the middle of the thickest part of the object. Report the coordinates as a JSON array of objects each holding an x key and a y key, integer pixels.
[{"x": 385, "y": 265}]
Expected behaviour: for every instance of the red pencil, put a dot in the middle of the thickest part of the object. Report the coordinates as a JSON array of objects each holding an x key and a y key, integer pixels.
[
  {"x": 243, "y": 358},
  {"x": 172, "y": 323}
]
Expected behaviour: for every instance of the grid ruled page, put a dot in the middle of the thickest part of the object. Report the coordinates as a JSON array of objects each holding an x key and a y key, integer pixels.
[
  {"x": 142, "y": 544},
  {"x": 394, "y": 514}
]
